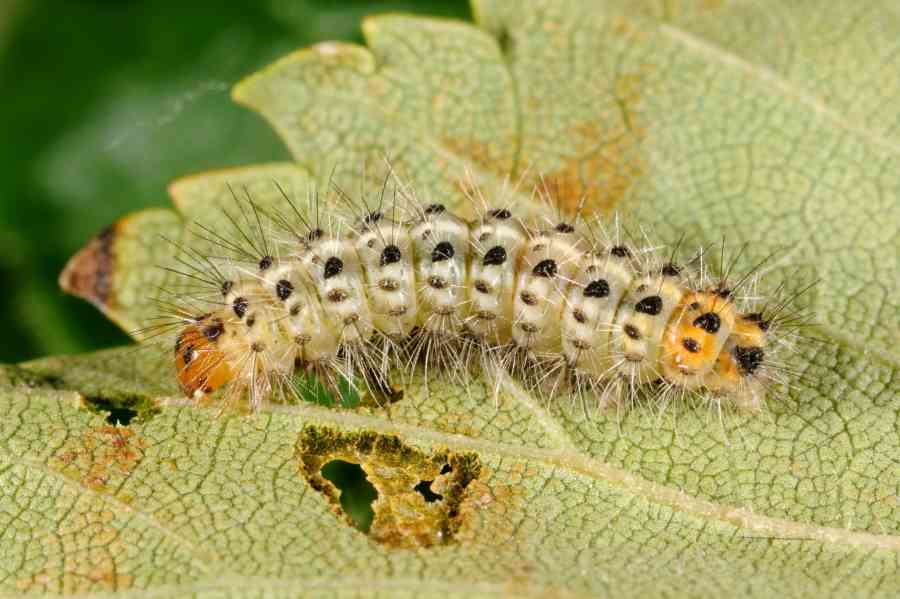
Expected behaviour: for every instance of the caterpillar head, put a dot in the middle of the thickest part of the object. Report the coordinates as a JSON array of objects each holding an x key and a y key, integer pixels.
[{"x": 200, "y": 365}]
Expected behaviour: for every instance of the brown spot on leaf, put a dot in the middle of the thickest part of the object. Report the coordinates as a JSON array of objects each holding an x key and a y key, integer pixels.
[
  {"x": 101, "y": 457},
  {"x": 80, "y": 557},
  {"x": 710, "y": 5},
  {"x": 484, "y": 157},
  {"x": 420, "y": 496},
  {"x": 609, "y": 162},
  {"x": 479, "y": 153},
  {"x": 88, "y": 274},
  {"x": 486, "y": 516}
]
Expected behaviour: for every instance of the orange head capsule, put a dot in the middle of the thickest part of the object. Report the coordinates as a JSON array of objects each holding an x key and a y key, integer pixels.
[
  {"x": 200, "y": 364},
  {"x": 697, "y": 334}
]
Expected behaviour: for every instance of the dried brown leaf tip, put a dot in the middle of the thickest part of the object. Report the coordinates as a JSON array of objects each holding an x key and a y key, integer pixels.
[
  {"x": 88, "y": 274},
  {"x": 419, "y": 495}
]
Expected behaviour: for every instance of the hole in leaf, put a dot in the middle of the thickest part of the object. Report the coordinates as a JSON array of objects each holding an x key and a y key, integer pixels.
[
  {"x": 120, "y": 416},
  {"x": 357, "y": 493},
  {"x": 121, "y": 410},
  {"x": 424, "y": 489},
  {"x": 396, "y": 477}
]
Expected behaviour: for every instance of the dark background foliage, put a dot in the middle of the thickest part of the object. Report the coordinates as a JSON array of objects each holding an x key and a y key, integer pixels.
[{"x": 105, "y": 102}]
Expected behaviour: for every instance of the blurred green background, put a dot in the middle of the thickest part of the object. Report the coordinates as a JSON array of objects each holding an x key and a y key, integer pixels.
[{"x": 105, "y": 102}]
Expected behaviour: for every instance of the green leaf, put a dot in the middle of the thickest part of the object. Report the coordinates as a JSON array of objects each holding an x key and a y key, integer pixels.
[{"x": 689, "y": 121}]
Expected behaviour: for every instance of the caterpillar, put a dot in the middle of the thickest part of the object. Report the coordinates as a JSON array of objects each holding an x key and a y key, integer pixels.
[{"x": 563, "y": 303}]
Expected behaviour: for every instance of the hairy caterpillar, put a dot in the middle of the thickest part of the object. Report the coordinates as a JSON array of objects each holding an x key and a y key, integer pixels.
[{"x": 564, "y": 304}]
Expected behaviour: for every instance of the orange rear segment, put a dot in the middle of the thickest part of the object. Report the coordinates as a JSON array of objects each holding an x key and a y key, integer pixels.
[
  {"x": 697, "y": 333},
  {"x": 199, "y": 363},
  {"x": 743, "y": 354},
  {"x": 726, "y": 372}
]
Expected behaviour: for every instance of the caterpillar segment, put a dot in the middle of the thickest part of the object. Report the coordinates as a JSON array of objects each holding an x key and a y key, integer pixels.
[
  {"x": 330, "y": 264},
  {"x": 548, "y": 267},
  {"x": 497, "y": 240},
  {"x": 385, "y": 255},
  {"x": 312, "y": 339},
  {"x": 334, "y": 267},
  {"x": 441, "y": 254},
  {"x": 441, "y": 251},
  {"x": 702, "y": 324},
  {"x": 640, "y": 326},
  {"x": 601, "y": 281},
  {"x": 740, "y": 368}
]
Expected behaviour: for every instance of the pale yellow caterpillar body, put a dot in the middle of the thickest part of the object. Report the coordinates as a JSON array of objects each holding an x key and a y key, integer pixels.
[{"x": 566, "y": 305}]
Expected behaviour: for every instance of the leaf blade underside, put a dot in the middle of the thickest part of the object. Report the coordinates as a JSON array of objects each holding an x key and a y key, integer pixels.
[{"x": 681, "y": 121}]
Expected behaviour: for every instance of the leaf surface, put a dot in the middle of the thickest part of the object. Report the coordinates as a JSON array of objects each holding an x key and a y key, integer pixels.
[{"x": 682, "y": 117}]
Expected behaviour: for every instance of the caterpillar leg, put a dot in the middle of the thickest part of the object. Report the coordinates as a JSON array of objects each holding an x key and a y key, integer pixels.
[{"x": 380, "y": 388}]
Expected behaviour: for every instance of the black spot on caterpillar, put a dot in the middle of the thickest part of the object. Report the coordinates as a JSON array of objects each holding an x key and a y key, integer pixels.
[
  {"x": 240, "y": 306},
  {"x": 598, "y": 288},
  {"x": 494, "y": 256},
  {"x": 651, "y": 305},
  {"x": 442, "y": 251},
  {"x": 709, "y": 322},
  {"x": 333, "y": 267},
  {"x": 545, "y": 268},
  {"x": 390, "y": 255},
  {"x": 283, "y": 289}
]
